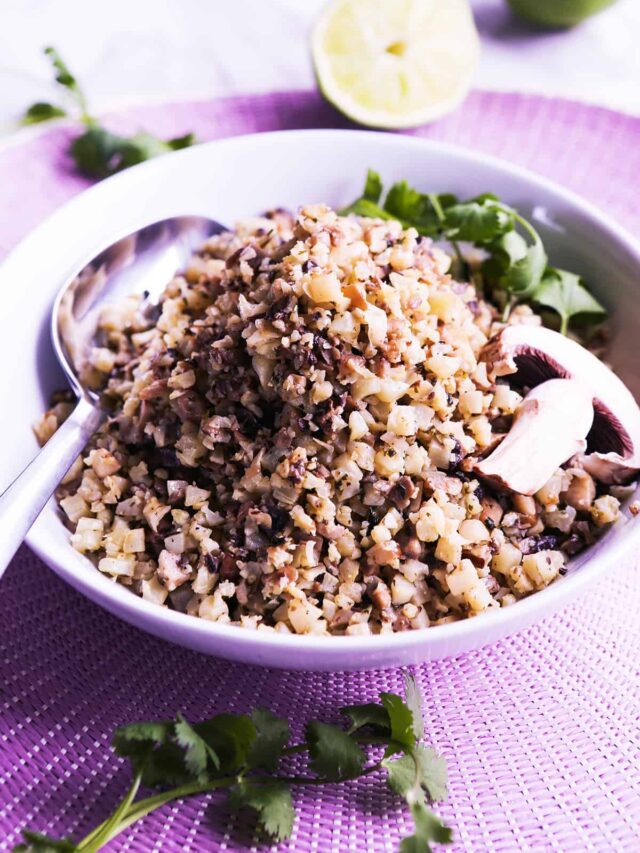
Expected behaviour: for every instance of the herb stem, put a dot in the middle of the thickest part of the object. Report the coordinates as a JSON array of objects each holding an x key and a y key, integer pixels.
[
  {"x": 145, "y": 807},
  {"x": 508, "y": 308},
  {"x": 435, "y": 203},
  {"x": 294, "y": 750},
  {"x": 305, "y": 780},
  {"x": 129, "y": 812},
  {"x": 100, "y": 835},
  {"x": 364, "y": 740},
  {"x": 528, "y": 227}
]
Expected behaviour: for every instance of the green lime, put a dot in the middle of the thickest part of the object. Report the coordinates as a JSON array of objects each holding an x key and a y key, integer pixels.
[
  {"x": 558, "y": 13},
  {"x": 395, "y": 63}
]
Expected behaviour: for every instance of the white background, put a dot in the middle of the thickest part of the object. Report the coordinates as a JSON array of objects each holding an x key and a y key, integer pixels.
[{"x": 128, "y": 51}]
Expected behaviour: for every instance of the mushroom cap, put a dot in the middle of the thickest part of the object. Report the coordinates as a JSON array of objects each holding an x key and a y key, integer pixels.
[
  {"x": 536, "y": 354},
  {"x": 550, "y": 427}
]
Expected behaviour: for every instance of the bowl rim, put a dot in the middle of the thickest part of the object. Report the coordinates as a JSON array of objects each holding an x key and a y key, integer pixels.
[{"x": 141, "y": 613}]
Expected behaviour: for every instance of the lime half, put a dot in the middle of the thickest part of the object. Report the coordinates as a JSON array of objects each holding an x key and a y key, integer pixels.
[{"x": 395, "y": 63}]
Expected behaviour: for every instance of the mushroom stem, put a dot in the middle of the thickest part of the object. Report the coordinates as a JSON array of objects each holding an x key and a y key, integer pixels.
[{"x": 550, "y": 427}]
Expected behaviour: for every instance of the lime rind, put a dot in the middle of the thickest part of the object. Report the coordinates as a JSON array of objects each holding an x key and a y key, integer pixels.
[{"x": 395, "y": 63}]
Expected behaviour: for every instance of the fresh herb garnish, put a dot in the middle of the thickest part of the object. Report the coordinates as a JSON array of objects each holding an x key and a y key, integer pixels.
[
  {"x": 243, "y": 755},
  {"x": 98, "y": 152},
  {"x": 515, "y": 265}
]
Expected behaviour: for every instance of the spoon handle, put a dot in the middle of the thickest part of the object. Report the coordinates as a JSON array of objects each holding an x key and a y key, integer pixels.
[{"x": 22, "y": 502}]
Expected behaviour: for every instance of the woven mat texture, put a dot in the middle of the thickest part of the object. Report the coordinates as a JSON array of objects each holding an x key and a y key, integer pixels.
[{"x": 541, "y": 732}]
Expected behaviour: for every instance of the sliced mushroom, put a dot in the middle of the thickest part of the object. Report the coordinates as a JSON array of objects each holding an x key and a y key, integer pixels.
[
  {"x": 537, "y": 354},
  {"x": 550, "y": 426}
]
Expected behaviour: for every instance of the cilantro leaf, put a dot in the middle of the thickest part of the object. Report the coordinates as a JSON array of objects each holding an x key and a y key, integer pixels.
[
  {"x": 372, "y": 187},
  {"x": 402, "y": 774},
  {"x": 566, "y": 294},
  {"x": 401, "y": 719},
  {"x": 197, "y": 750},
  {"x": 271, "y": 738},
  {"x": 154, "y": 747},
  {"x": 65, "y": 78},
  {"x": 369, "y": 714},
  {"x": 413, "y": 699},
  {"x": 271, "y": 801},
  {"x": 180, "y": 758},
  {"x": 504, "y": 252},
  {"x": 137, "y": 739},
  {"x": 231, "y": 737},
  {"x": 41, "y": 111},
  {"x": 432, "y": 771},
  {"x": 523, "y": 277},
  {"x": 99, "y": 153},
  {"x": 367, "y": 208},
  {"x": 428, "y": 827},
  {"x": 36, "y": 842},
  {"x": 412, "y": 208},
  {"x": 405, "y": 203},
  {"x": 334, "y": 755},
  {"x": 422, "y": 769},
  {"x": 476, "y": 221}
]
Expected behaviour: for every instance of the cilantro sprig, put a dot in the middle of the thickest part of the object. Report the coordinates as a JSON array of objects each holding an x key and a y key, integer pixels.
[
  {"x": 249, "y": 756},
  {"x": 515, "y": 267},
  {"x": 97, "y": 152}
]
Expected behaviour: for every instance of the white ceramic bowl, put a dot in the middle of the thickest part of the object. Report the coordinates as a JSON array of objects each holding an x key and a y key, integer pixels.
[{"x": 234, "y": 178}]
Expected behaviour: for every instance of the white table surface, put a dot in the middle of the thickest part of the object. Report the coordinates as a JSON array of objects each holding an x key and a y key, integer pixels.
[{"x": 128, "y": 51}]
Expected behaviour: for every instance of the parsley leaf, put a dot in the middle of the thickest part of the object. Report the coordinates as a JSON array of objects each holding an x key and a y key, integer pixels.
[
  {"x": 334, "y": 754},
  {"x": 566, "y": 294},
  {"x": 42, "y": 111},
  {"x": 271, "y": 801},
  {"x": 271, "y": 738},
  {"x": 36, "y": 842}
]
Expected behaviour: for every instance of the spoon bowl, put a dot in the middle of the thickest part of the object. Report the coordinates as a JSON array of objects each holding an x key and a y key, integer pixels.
[{"x": 140, "y": 263}]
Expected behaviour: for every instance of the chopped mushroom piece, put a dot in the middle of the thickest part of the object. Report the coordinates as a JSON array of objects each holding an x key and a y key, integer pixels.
[
  {"x": 536, "y": 354},
  {"x": 550, "y": 426},
  {"x": 581, "y": 492}
]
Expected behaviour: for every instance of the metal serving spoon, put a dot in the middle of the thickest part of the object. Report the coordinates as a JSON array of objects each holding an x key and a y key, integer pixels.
[{"x": 144, "y": 263}]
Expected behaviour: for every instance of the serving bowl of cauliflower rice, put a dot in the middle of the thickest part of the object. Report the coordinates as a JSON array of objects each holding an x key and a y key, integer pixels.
[{"x": 331, "y": 443}]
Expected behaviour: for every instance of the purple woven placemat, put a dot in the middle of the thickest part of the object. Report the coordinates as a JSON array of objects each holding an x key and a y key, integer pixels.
[{"x": 541, "y": 732}]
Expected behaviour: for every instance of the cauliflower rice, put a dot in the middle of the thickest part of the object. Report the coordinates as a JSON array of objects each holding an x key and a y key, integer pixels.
[{"x": 292, "y": 434}]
